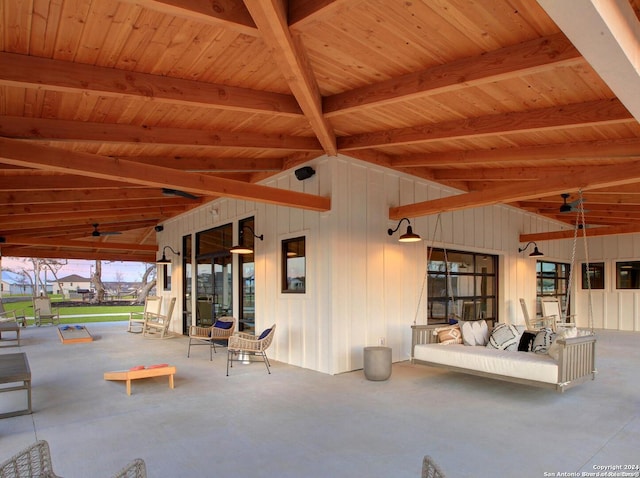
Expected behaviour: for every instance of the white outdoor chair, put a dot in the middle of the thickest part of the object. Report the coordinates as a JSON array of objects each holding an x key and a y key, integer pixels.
[
  {"x": 152, "y": 306},
  {"x": 158, "y": 323},
  {"x": 44, "y": 312},
  {"x": 551, "y": 307}
]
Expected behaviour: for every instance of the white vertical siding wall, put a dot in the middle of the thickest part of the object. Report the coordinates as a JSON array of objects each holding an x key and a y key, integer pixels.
[
  {"x": 364, "y": 287},
  {"x": 612, "y": 308}
]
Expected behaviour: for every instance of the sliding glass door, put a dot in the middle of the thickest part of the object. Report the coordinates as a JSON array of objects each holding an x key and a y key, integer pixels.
[{"x": 214, "y": 275}]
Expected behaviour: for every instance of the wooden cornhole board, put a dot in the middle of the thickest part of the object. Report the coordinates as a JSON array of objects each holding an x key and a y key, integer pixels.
[
  {"x": 74, "y": 334},
  {"x": 138, "y": 373}
]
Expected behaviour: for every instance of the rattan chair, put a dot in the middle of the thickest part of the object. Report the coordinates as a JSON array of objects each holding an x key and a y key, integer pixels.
[
  {"x": 218, "y": 332},
  {"x": 430, "y": 469},
  {"x": 135, "y": 469},
  {"x": 33, "y": 461},
  {"x": 244, "y": 346}
]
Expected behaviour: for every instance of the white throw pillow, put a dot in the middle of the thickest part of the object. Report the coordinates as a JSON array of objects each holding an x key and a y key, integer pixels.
[
  {"x": 565, "y": 333},
  {"x": 475, "y": 332},
  {"x": 504, "y": 337},
  {"x": 542, "y": 342}
]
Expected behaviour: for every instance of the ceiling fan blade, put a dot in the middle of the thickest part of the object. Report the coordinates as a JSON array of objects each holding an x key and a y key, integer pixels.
[
  {"x": 177, "y": 192},
  {"x": 97, "y": 233}
]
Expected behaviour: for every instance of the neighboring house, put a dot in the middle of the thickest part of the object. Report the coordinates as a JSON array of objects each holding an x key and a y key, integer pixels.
[{"x": 72, "y": 286}]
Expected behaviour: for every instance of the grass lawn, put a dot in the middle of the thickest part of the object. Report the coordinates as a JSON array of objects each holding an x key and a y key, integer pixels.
[{"x": 80, "y": 313}]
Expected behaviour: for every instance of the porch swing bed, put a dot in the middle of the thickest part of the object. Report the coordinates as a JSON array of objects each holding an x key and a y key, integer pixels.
[{"x": 539, "y": 358}]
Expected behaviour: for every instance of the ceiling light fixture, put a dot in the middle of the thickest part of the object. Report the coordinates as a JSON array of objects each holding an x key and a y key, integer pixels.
[{"x": 409, "y": 236}]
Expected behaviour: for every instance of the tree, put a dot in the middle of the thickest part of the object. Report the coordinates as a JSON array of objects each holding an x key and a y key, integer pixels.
[
  {"x": 148, "y": 282},
  {"x": 54, "y": 266},
  {"x": 96, "y": 280},
  {"x": 119, "y": 283}
]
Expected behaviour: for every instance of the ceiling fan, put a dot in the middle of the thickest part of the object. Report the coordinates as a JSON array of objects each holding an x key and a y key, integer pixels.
[
  {"x": 571, "y": 206},
  {"x": 97, "y": 233},
  {"x": 177, "y": 192}
]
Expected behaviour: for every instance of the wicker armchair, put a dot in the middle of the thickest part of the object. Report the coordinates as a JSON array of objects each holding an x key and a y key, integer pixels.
[
  {"x": 34, "y": 460},
  {"x": 220, "y": 331},
  {"x": 135, "y": 469},
  {"x": 430, "y": 469},
  {"x": 242, "y": 346}
]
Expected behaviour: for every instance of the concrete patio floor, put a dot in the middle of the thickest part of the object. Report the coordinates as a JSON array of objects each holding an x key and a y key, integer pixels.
[{"x": 299, "y": 423}]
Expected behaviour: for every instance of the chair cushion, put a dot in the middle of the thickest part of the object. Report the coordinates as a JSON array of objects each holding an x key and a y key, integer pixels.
[
  {"x": 264, "y": 334},
  {"x": 223, "y": 325}
]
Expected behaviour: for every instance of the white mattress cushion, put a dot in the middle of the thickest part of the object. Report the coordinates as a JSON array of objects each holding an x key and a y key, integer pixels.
[{"x": 525, "y": 365}]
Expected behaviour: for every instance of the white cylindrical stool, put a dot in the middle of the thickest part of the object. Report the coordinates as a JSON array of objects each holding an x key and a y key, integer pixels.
[{"x": 377, "y": 363}]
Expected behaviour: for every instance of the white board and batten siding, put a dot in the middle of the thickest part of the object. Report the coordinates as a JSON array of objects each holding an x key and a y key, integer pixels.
[{"x": 363, "y": 286}]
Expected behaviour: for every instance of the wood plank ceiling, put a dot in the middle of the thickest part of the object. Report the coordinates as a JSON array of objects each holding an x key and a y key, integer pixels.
[{"x": 105, "y": 104}]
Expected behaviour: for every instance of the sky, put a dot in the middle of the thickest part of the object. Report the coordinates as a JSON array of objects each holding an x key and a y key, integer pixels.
[{"x": 131, "y": 271}]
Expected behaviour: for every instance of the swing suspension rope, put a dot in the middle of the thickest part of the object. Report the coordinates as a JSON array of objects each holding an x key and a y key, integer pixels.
[
  {"x": 580, "y": 224},
  {"x": 436, "y": 229}
]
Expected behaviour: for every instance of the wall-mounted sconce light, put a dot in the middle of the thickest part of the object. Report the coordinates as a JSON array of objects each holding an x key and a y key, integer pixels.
[
  {"x": 409, "y": 236},
  {"x": 241, "y": 248},
  {"x": 535, "y": 253},
  {"x": 159, "y": 228},
  {"x": 164, "y": 259}
]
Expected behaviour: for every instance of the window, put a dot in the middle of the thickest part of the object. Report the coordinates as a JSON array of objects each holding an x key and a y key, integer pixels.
[
  {"x": 166, "y": 276},
  {"x": 552, "y": 279},
  {"x": 628, "y": 275},
  {"x": 462, "y": 284},
  {"x": 596, "y": 276},
  {"x": 247, "y": 277},
  {"x": 294, "y": 266}
]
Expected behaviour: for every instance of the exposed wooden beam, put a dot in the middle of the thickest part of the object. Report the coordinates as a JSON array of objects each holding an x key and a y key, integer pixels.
[
  {"x": 58, "y": 226},
  {"x": 83, "y": 164},
  {"x": 509, "y": 192},
  {"x": 211, "y": 164},
  {"x": 271, "y": 18},
  {"x": 541, "y": 54},
  {"x": 587, "y": 150},
  {"x": 506, "y": 174},
  {"x": 48, "y": 253},
  {"x": 150, "y": 196},
  {"x": 67, "y": 182},
  {"x": 568, "y": 116},
  {"x": 91, "y": 215},
  {"x": 228, "y": 14},
  {"x": 302, "y": 12},
  {"x": 95, "y": 206},
  {"x": 43, "y": 73},
  {"x": 59, "y": 130},
  {"x": 590, "y": 232},
  {"x": 31, "y": 241}
]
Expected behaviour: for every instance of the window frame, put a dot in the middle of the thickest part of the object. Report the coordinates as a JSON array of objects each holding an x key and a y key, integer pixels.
[
  {"x": 476, "y": 304},
  {"x": 635, "y": 280},
  {"x": 542, "y": 278},
  {"x": 285, "y": 263}
]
